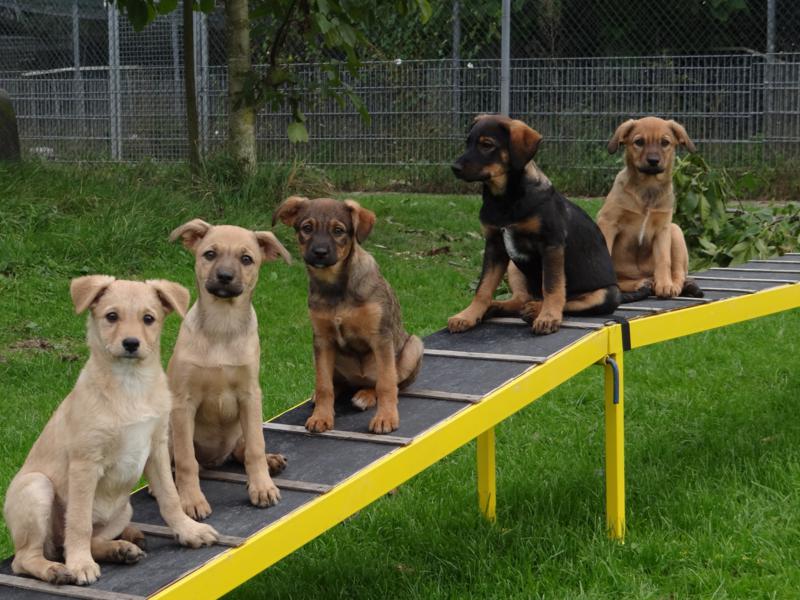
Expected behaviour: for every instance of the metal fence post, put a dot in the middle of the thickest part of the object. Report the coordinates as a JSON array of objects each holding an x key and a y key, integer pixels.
[
  {"x": 201, "y": 75},
  {"x": 505, "y": 59},
  {"x": 114, "y": 101},
  {"x": 769, "y": 75},
  {"x": 76, "y": 61},
  {"x": 456, "y": 62}
]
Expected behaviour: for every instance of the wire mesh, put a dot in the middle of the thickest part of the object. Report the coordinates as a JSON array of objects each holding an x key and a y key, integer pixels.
[{"x": 87, "y": 86}]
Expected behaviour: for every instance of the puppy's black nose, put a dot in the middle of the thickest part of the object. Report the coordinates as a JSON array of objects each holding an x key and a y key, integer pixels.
[
  {"x": 457, "y": 167},
  {"x": 320, "y": 251},
  {"x": 224, "y": 276},
  {"x": 653, "y": 160},
  {"x": 131, "y": 344}
]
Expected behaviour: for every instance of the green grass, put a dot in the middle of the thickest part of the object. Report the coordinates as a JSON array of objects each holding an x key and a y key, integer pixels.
[{"x": 713, "y": 461}]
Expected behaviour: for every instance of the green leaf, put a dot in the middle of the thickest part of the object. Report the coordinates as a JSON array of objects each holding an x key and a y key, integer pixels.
[
  {"x": 297, "y": 132},
  {"x": 166, "y": 6},
  {"x": 207, "y": 6}
]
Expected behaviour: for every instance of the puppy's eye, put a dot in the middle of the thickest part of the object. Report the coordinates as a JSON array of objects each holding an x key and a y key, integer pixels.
[
  {"x": 209, "y": 255},
  {"x": 664, "y": 143},
  {"x": 307, "y": 228},
  {"x": 486, "y": 145},
  {"x": 149, "y": 319},
  {"x": 339, "y": 230},
  {"x": 246, "y": 259},
  {"x": 112, "y": 317},
  {"x": 639, "y": 142}
]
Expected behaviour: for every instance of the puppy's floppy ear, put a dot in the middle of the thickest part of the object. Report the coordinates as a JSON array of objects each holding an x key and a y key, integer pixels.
[
  {"x": 271, "y": 248},
  {"x": 620, "y": 135},
  {"x": 191, "y": 233},
  {"x": 288, "y": 210},
  {"x": 680, "y": 134},
  {"x": 523, "y": 143},
  {"x": 87, "y": 290},
  {"x": 363, "y": 219},
  {"x": 173, "y": 296}
]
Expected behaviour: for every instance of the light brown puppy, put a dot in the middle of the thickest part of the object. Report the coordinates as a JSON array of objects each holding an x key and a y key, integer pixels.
[
  {"x": 72, "y": 493},
  {"x": 359, "y": 340},
  {"x": 647, "y": 248},
  {"x": 213, "y": 372}
]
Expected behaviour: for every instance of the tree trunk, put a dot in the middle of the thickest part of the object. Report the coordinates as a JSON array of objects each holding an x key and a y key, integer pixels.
[
  {"x": 241, "y": 135},
  {"x": 190, "y": 88}
]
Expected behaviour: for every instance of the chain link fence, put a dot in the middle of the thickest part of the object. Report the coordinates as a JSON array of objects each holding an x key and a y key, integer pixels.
[{"x": 86, "y": 86}]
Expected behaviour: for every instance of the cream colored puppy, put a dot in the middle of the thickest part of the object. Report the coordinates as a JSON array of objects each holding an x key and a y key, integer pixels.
[
  {"x": 214, "y": 369},
  {"x": 72, "y": 492}
]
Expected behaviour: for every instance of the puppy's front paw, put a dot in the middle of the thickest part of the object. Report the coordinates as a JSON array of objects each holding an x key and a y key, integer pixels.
[
  {"x": 365, "y": 399},
  {"x": 263, "y": 493},
  {"x": 319, "y": 422},
  {"x": 546, "y": 323},
  {"x": 125, "y": 552},
  {"x": 276, "y": 463},
  {"x": 84, "y": 570},
  {"x": 194, "y": 504},
  {"x": 385, "y": 421},
  {"x": 667, "y": 289},
  {"x": 59, "y": 574},
  {"x": 461, "y": 322},
  {"x": 194, "y": 535}
]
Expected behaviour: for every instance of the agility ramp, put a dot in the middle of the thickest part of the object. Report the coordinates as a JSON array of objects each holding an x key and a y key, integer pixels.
[{"x": 469, "y": 382}]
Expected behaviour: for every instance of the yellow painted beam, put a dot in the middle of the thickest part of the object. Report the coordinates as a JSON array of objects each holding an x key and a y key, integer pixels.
[
  {"x": 694, "y": 319},
  {"x": 615, "y": 436},
  {"x": 286, "y": 535},
  {"x": 487, "y": 475}
]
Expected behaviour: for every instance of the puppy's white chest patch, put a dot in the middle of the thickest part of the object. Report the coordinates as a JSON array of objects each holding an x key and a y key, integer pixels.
[
  {"x": 513, "y": 251},
  {"x": 132, "y": 454}
]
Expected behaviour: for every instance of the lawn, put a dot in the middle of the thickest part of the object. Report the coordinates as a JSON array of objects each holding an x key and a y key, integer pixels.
[{"x": 713, "y": 461}]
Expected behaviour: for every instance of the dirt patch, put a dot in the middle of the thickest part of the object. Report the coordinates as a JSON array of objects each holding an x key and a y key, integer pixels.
[{"x": 32, "y": 344}]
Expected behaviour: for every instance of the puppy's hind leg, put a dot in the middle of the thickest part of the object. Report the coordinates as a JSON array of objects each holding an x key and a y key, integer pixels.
[
  {"x": 519, "y": 296},
  {"x": 598, "y": 302},
  {"x": 107, "y": 549},
  {"x": 409, "y": 361},
  {"x": 29, "y": 513},
  {"x": 276, "y": 463}
]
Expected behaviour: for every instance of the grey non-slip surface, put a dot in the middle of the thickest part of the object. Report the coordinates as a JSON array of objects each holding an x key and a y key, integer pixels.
[
  {"x": 321, "y": 460},
  {"x": 165, "y": 562}
]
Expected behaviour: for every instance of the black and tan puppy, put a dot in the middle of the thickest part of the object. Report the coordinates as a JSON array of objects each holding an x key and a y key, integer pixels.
[
  {"x": 359, "y": 340},
  {"x": 559, "y": 260}
]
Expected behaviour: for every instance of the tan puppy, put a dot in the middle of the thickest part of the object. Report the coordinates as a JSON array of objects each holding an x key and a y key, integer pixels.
[
  {"x": 359, "y": 339},
  {"x": 648, "y": 249},
  {"x": 72, "y": 492},
  {"x": 213, "y": 372}
]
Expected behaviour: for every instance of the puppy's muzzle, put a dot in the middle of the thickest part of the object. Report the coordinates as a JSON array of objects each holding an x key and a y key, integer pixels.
[
  {"x": 224, "y": 285},
  {"x": 320, "y": 257},
  {"x": 131, "y": 346},
  {"x": 467, "y": 172},
  {"x": 652, "y": 166}
]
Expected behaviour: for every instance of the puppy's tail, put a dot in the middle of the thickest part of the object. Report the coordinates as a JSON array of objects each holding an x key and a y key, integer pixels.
[
  {"x": 640, "y": 294},
  {"x": 691, "y": 289}
]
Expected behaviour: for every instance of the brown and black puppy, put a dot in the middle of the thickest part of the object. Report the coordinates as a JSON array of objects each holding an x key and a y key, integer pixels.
[
  {"x": 558, "y": 256},
  {"x": 359, "y": 340},
  {"x": 648, "y": 249}
]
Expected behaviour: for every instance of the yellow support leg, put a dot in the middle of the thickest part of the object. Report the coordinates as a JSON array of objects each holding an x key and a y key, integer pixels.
[
  {"x": 615, "y": 447},
  {"x": 487, "y": 478}
]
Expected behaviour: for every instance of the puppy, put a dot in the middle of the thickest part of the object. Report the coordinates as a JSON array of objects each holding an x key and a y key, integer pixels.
[
  {"x": 359, "y": 340},
  {"x": 559, "y": 262},
  {"x": 648, "y": 249},
  {"x": 213, "y": 372},
  {"x": 71, "y": 495}
]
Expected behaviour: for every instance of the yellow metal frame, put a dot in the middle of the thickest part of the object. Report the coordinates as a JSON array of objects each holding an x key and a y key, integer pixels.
[{"x": 283, "y": 537}]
